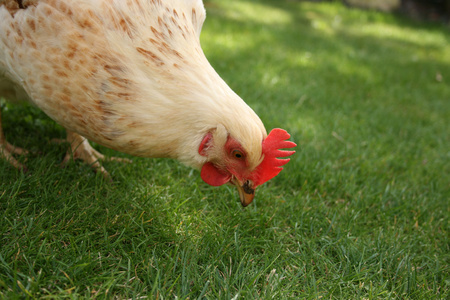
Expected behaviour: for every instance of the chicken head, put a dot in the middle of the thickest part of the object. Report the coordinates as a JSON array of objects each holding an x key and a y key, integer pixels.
[{"x": 229, "y": 163}]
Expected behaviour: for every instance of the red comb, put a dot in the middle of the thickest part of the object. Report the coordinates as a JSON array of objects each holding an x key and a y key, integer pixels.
[{"x": 271, "y": 165}]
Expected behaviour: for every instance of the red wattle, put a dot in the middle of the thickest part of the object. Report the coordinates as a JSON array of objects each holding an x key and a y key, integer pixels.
[{"x": 213, "y": 176}]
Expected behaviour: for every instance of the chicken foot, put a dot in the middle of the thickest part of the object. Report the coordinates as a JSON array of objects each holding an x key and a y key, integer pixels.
[
  {"x": 7, "y": 150},
  {"x": 81, "y": 149}
]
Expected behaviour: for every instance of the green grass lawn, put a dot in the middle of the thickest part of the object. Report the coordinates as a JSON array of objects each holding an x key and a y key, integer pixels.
[{"x": 361, "y": 212}]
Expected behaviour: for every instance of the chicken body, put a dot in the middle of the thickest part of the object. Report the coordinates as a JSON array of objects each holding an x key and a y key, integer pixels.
[{"x": 130, "y": 75}]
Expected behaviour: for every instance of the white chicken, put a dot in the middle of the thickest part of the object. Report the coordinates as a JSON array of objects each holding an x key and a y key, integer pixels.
[{"x": 131, "y": 75}]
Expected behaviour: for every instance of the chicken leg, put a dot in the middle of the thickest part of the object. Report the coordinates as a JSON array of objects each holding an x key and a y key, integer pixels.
[
  {"x": 7, "y": 150},
  {"x": 81, "y": 149}
]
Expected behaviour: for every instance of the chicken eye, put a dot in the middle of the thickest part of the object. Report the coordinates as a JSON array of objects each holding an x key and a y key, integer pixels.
[{"x": 237, "y": 154}]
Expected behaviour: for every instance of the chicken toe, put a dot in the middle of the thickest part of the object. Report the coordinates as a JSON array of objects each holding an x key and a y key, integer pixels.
[
  {"x": 81, "y": 149},
  {"x": 7, "y": 150}
]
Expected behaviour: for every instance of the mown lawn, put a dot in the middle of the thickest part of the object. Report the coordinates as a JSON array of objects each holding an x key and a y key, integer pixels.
[{"x": 361, "y": 212}]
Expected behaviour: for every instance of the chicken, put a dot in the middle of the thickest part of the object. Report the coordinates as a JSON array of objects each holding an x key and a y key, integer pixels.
[{"x": 131, "y": 75}]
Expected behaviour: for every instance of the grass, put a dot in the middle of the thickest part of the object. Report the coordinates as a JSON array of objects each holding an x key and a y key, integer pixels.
[{"x": 361, "y": 212}]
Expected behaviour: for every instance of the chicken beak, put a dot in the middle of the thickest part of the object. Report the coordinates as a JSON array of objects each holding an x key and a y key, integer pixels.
[{"x": 246, "y": 192}]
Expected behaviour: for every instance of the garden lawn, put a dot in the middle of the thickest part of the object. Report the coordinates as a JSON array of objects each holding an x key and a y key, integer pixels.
[{"x": 360, "y": 212}]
